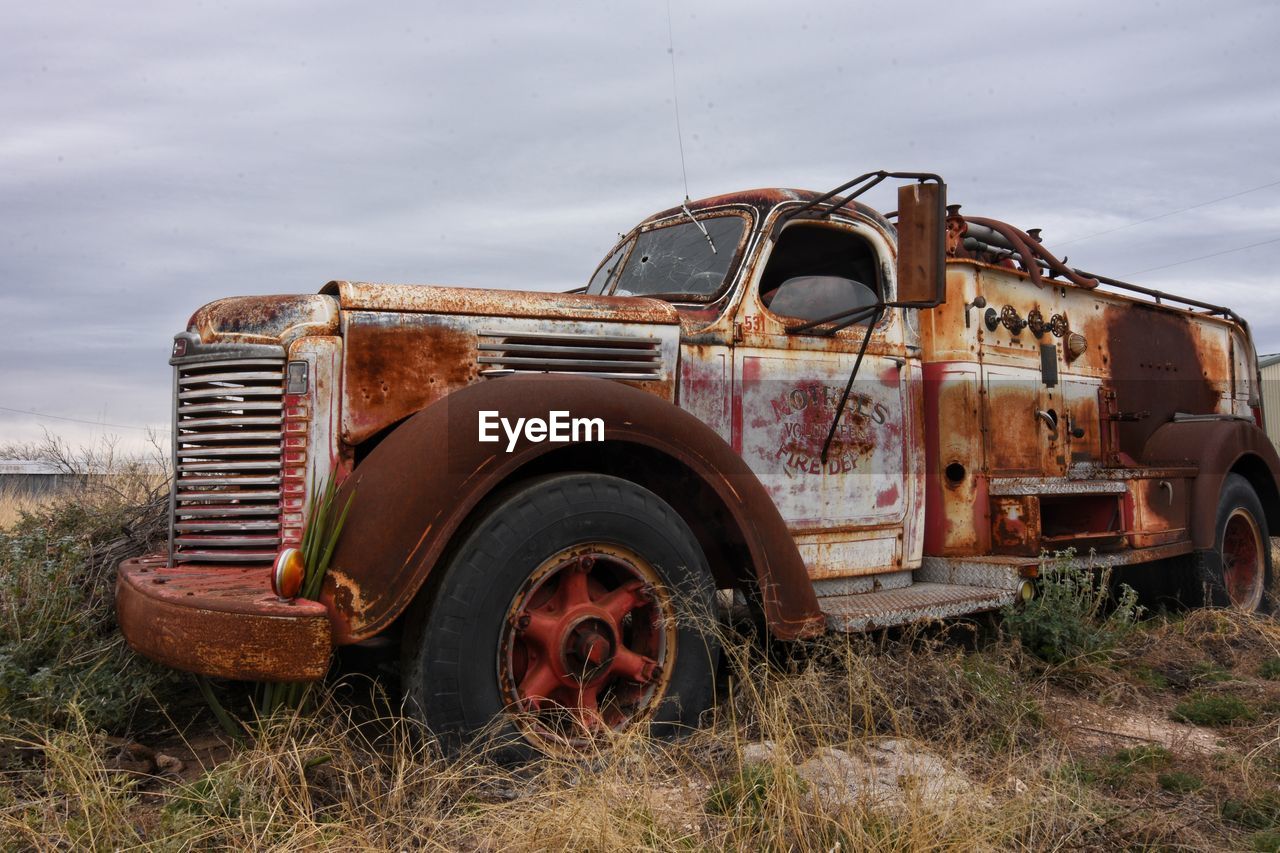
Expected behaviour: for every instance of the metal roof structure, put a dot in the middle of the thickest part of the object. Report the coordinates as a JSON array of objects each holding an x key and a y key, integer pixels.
[{"x": 27, "y": 467}]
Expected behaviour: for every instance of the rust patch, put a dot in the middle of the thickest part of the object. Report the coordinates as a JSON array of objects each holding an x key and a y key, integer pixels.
[
  {"x": 1157, "y": 370},
  {"x": 265, "y": 319},
  {"x": 397, "y": 365},
  {"x": 1015, "y": 525},
  {"x": 343, "y": 594},
  {"x": 220, "y": 622},
  {"x": 476, "y": 301}
]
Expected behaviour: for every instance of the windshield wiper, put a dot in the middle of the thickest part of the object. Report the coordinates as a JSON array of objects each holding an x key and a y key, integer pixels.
[{"x": 712, "y": 243}]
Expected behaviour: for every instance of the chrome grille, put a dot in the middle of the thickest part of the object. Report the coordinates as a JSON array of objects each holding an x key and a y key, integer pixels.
[
  {"x": 228, "y": 422},
  {"x": 605, "y": 356}
]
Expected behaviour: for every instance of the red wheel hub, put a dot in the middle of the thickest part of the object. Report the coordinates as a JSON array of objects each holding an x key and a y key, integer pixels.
[
  {"x": 586, "y": 644},
  {"x": 1243, "y": 561}
]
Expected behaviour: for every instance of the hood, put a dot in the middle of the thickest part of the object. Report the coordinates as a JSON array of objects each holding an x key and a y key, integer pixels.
[{"x": 433, "y": 299}]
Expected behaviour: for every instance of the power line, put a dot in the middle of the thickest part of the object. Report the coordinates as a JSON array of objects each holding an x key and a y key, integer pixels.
[
  {"x": 1202, "y": 257},
  {"x": 72, "y": 420},
  {"x": 1163, "y": 215}
]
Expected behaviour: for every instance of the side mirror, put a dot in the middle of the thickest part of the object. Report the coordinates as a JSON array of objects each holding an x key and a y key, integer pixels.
[{"x": 921, "y": 245}]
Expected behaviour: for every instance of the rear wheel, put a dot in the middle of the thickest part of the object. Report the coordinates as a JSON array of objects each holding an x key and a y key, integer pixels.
[
  {"x": 1243, "y": 573},
  {"x": 579, "y": 606}
]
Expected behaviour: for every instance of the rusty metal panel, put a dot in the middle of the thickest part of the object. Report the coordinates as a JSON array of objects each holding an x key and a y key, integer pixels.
[
  {"x": 956, "y": 519},
  {"x": 265, "y": 319},
  {"x": 1015, "y": 524},
  {"x": 1155, "y": 359},
  {"x": 397, "y": 364},
  {"x": 867, "y": 552},
  {"x": 482, "y": 302},
  {"x": 1082, "y": 426},
  {"x": 705, "y": 385},
  {"x": 783, "y": 409},
  {"x": 220, "y": 622},
  {"x": 312, "y": 425},
  {"x": 913, "y": 412},
  {"x": 1014, "y": 440},
  {"x": 1213, "y": 447},
  {"x": 1160, "y": 511}
]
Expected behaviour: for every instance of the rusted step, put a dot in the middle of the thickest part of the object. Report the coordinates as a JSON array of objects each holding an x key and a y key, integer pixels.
[{"x": 910, "y": 604}]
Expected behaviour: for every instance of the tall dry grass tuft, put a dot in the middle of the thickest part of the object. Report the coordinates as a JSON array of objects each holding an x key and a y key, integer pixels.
[
  {"x": 72, "y": 802},
  {"x": 16, "y": 503}
]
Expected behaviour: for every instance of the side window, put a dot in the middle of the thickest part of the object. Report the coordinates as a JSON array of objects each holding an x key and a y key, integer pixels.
[
  {"x": 816, "y": 297},
  {"x": 600, "y": 281},
  {"x": 815, "y": 271}
]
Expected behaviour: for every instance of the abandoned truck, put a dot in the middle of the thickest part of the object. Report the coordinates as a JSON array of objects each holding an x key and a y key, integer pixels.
[{"x": 844, "y": 419}]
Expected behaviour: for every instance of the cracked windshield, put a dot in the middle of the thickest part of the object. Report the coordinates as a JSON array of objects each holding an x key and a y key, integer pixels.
[{"x": 678, "y": 261}]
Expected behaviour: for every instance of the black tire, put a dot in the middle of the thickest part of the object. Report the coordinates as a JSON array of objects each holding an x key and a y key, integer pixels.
[
  {"x": 1237, "y": 573},
  {"x": 464, "y": 645}
]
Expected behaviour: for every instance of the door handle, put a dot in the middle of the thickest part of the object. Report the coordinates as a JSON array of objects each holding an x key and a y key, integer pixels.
[{"x": 1051, "y": 420}]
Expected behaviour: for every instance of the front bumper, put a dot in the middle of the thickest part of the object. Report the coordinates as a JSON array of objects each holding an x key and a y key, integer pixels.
[{"x": 220, "y": 622}]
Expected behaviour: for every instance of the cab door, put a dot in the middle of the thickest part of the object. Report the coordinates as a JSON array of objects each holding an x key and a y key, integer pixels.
[{"x": 848, "y": 513}]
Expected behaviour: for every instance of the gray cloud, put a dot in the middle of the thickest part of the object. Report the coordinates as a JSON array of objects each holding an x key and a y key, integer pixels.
[{"x": 156, "y": 157}]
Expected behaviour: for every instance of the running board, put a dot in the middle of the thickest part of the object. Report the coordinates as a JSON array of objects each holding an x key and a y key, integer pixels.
[{"x": 920, "y": 601}]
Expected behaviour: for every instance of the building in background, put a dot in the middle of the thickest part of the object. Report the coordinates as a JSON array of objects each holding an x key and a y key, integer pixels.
[
  {"x": 1269, "y": 365},
  {"x": 31, "y": 478}
]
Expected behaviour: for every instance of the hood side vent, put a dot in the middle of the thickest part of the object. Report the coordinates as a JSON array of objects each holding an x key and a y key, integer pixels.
[{"x": 603, "y": 356}]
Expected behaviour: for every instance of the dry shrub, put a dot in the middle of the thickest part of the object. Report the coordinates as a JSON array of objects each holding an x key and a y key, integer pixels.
[
  {"x": 59, "y": 643},
  {"x": 1180, "y": 648}
]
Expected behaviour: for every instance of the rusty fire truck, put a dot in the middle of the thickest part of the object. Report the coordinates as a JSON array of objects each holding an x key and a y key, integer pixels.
[{"x": 850, "y": 420}]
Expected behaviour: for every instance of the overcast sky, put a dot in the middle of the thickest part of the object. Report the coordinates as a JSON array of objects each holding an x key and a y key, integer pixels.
[{"x": 154, "y": 157}]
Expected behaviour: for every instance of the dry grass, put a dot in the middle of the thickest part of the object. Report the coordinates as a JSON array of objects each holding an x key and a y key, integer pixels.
[
  {"x": 95, "y": 476},
  {"x": 15, "y": 503},
  {"x": 344, "y": 777}
]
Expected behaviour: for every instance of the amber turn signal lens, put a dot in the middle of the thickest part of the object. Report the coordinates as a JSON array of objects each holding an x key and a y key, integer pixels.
[{"x": 288, "y": 573}]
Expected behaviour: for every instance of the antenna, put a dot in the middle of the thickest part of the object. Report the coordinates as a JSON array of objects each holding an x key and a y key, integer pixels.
[{"x": 675, "y": 100}]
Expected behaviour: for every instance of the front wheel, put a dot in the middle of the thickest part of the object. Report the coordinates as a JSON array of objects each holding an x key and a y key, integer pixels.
[
  {"x": 579, "y": 606},
  {"x": 1243, "y": 548}
]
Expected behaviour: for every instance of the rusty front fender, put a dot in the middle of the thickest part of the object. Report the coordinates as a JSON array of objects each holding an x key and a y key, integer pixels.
[
  {"x": 418, "y": 486},
  {"x": 1218, "y": 448}
]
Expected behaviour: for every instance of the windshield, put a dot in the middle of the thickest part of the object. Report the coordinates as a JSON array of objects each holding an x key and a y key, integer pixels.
[{"x": 674, "y": 262}]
